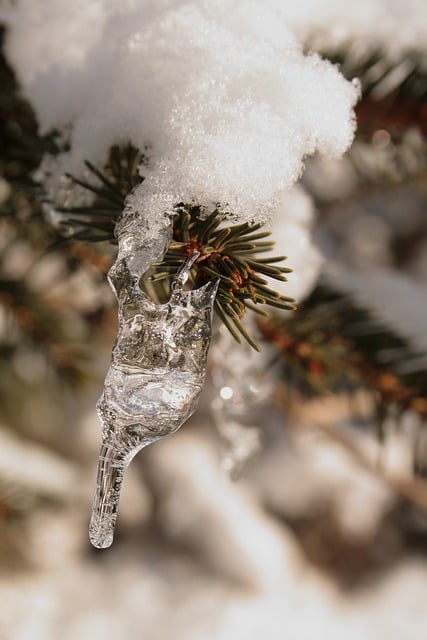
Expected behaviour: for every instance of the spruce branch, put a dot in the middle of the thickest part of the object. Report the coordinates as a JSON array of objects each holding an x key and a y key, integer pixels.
[
  {"x": 394, "y": 91},
  {"x": 331, "y": 345},
  {"x": 33, "y": 321},
  {"x": 110, "y": 187},
  {"x": 231, "y": 254}
]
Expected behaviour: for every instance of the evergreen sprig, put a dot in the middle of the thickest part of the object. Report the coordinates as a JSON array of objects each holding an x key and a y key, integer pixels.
[
  {"x": 96, "y": 222},
  {"x": 394, "y": 91},
  {"x": 228, "y": 253},
  {"x": 32, "y": 321},
  {"x": 332, "y": 345}
]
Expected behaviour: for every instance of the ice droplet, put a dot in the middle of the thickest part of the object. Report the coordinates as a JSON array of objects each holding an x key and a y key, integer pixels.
[{"x": 158, "y": 364}]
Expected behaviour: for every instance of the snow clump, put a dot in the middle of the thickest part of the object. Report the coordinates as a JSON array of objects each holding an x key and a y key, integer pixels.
[{"x": 220, "y": 95}]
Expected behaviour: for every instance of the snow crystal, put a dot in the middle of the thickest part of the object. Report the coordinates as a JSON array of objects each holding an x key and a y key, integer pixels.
[{"x": 219, "y": 93}]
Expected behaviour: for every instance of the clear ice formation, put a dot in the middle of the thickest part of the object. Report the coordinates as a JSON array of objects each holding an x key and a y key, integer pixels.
[{"x": 158, "y": 364}]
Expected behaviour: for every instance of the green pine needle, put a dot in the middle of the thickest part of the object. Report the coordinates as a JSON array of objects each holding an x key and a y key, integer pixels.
[
  {"x": 230, "y": 254},
  {"x": 96, "y": 222},
  {"x": 332, "y": 345}
]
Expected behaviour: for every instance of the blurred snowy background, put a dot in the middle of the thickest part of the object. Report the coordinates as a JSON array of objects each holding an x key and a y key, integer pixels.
[{"x": 324, "y": 532}]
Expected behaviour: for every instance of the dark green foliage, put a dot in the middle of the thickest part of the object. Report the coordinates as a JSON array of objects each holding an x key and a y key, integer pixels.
[
  {"x": 22, "y": 148},
  {"x": 33, "y": 323},
  {"x": 230, "y": 254},
  {"x": 96, "y": 222},
  {"x": 331, "y": 345},
  {"x": 394, "y": 91}
]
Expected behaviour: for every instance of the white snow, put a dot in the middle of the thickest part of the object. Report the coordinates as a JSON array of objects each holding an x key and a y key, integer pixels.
[{"x": 220, "y": 93}]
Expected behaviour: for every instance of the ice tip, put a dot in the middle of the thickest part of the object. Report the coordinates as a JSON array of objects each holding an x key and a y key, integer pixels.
[
  {"x": 100, "y": 537},
  {"x": 100, "y": 540}
]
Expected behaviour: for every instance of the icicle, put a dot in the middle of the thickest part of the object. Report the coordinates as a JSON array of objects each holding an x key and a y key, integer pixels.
[{"x": 158, "y": 364}]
